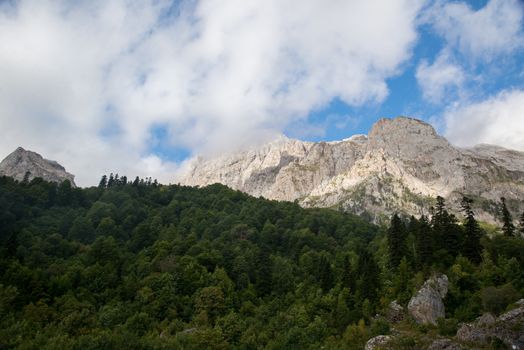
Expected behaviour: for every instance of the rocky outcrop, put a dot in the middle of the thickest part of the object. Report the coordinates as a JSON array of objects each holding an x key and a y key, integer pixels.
[
  {"x": 22, "y": 162},
  {"x": 395, "y": 312},
  {"x": 378, "y": 342},
  {"x": 445, "y": 344},
  {"x": 401, "y": 165},
  {"x": 427, "y": 305},
  {"x": 507, "y": 328}
]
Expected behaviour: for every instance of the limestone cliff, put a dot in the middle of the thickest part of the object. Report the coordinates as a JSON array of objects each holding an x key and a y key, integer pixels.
[
  {"x": 400, "y": 166},
  {"x": 22, "y": 162}
]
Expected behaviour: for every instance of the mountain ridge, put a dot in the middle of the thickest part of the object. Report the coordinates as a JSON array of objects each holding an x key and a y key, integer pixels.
[{"x": 400, "y": 166}]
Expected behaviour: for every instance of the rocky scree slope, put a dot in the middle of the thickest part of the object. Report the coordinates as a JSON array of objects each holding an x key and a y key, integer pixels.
[
  {"x": 400, "y": 166},
  {"x": 22, "y": 161}
]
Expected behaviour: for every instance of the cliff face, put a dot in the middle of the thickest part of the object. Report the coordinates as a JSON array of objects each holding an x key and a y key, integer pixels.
[
  {"x": 400, "y": 166},
  {"x": 22, "y": 161}
]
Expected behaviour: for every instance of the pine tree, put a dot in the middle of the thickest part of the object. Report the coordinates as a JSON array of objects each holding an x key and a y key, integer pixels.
[
  {"x": 423, "y": 242},
  {"x": 327, "y": 279},
  {"x": 103, "y": 182},
  {"x": 396, "y": 237},
  {"x": 508, "y": 228},
  {"x": 111, "y": 180},
  {"x": 446, "y": 232},
  {"x": 348, "y": 279},
  {"x": 521, "y": 224},
  {"x": 369, "y": 277},
  {"x": 263, "y": 273},
  {"x": 471, "y": 247},
  {"x": 27, "y": 175}
]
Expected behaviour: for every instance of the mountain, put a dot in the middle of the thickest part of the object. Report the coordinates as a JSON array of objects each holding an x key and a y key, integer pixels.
[
  {"x": 22, "y": 161},
  {"x": 400, "y": 166}
]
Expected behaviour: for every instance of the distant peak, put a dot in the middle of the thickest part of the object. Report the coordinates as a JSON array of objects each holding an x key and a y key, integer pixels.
[
  {"x": 385, "y": 126},
  {"x": 22, "y": 161}
]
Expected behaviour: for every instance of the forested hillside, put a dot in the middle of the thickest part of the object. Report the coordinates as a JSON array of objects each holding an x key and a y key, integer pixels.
[{"x": 138, "y": 265}]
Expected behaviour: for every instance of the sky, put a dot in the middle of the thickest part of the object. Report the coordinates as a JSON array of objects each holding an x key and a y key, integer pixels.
[{"x": 143, "y": 87}]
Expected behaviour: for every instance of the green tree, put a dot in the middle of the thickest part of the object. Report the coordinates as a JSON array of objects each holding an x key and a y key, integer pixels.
[
  {"x": 111, "y": 180},
  {"x": 368, "y": 284},
  {"x": 423, "y": 242},
  {"x": 507, "y": 228},
  {"x": 521, "y": 225},
  {"x": 348, "y": 278},
  {"x": 471, "y": 247},
  {"x": 82, "y": 230},
  {"x": 396, "y": 238},
  {"x": 326, "y": 276},
  {"x": 446, "y": 232},
  {"x": 401, "y": 282},
  {"x": 263, "y": 273},
  {"x": 103, "y": 182},
  {"x": 210, "y": 300}
]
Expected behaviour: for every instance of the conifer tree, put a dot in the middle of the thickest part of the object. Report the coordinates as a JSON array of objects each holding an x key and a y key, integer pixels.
[
  {"x": 111, "y": 180},
  {"x": 396, "y": 237},
  {"x": 423, "y": 242},
  {"x": 348, "y": 279},
  {"x": 369, "y": 278},
  {"x": 327, "y": 279},
  {"x": 471, "y": 247},
  {"x": 446, "y": 232},
  {"x": 26, "y": 177},
  {"x": 103, "y": 182},
  {"x": 508, "y": 228},
  {"x": 521, "y": 225},
  {"x": 263, "y": 273}
]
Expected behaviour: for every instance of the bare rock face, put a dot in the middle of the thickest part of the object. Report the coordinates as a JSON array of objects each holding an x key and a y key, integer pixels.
[
  {"x": 395, "y": 312},
  {"x": 401, "y": 166},
  {"x": 378, "y": 342},
  {"x": 22, "y": 162},
  {"x": 427, "y": 305},
  {"x": 445, "y": 344}
]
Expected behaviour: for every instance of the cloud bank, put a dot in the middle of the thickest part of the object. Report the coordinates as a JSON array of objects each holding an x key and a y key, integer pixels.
[
  {"x": 483, "y": 34},
  {"x": 497, "y": 120},
  {"x": 480, "y": 48},
  {"x": 439, "y": 78},
  {"x": 88, "y": 82}
]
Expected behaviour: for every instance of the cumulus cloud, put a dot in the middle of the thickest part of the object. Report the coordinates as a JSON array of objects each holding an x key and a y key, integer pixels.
[
  {"x": 498, "y": 120},
  {"x": 86, "y": 82},
  {"x": 440, "y": 78},
  {"x": 484, "y": 34}
]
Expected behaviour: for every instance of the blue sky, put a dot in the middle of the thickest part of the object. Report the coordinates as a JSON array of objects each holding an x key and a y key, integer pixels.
[
  {"x": 140, "y": 88},
  {"x": 405, "y": 95}
]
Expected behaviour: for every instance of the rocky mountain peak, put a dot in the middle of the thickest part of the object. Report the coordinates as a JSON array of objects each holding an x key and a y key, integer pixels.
[
  {"x": 404, "y": 134},
  {"x": 21, "y": 161},
  {"x": 401, "y": 166}
]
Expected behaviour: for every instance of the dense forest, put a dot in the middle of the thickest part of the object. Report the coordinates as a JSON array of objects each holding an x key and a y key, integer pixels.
[{"x": 139, "y": 265}]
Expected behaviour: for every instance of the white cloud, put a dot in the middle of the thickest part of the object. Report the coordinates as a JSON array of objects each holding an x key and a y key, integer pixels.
[
  {"x": 493, "y": 30},
  {"x": 498, "y": 120},
  {"x": 84, "y": 82},
  {"x": 440, "y": 78}
]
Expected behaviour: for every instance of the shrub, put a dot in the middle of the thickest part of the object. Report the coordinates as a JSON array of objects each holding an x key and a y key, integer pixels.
[
  {"x": 379, "y": 327},
  {"x": 496, "y": 300},
  {"x": 447, "y": 327}
]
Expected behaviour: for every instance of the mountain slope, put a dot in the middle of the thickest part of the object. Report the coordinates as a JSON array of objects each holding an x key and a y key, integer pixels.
[
  {"x": 22, "y": 161},
  {"x": 400, "y": 166}
]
